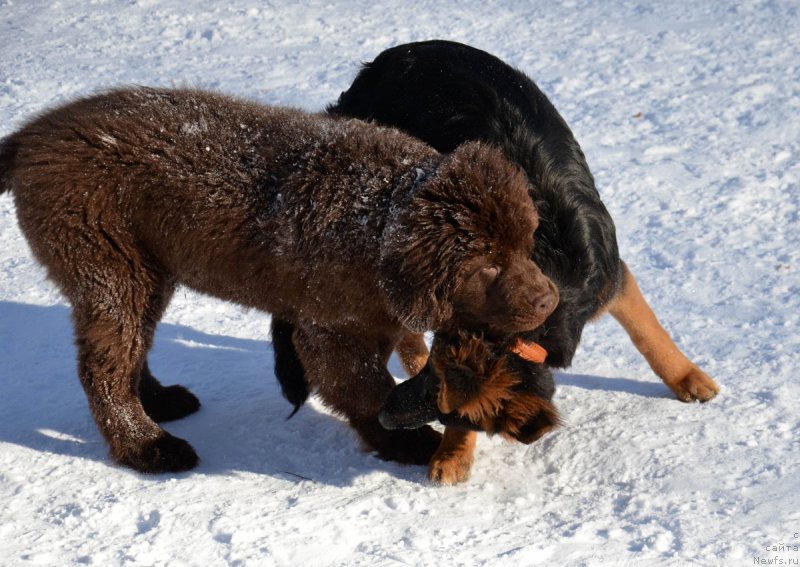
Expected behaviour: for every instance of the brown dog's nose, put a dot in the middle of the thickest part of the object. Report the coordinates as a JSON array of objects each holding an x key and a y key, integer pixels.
[{"x": 545, "y": 302}]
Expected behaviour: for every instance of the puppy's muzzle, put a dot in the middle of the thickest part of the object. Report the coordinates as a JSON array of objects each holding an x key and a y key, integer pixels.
[{"x": 412, "y": 403}]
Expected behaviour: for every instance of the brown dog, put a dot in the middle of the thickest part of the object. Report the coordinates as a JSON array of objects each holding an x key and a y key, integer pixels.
[{"x": 353, "y": 233}]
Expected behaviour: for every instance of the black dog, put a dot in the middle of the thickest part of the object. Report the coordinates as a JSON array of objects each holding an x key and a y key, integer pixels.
[{"x": 445, "y": 93}]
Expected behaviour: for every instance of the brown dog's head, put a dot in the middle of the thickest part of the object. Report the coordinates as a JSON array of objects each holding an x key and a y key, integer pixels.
[
  {"x": 457, "y": 254},
  {"x": 472, "y": 383}
]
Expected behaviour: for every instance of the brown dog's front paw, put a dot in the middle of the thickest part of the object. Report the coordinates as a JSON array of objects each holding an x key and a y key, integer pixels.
[
  {"x": 163, "y": 454},
  {"x": 695, "y": 386}
]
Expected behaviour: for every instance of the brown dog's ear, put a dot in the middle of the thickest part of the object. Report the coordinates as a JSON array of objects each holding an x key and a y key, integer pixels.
[
  {"x": 413, "y": 298},
  {"x": 447, "y": 216},
  {"x": 417, "y": 269},
  {"x": 527, "y": 417}
]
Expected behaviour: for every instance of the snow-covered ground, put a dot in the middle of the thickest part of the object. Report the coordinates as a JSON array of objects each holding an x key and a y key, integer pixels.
[{"x": 689, "y": 113}]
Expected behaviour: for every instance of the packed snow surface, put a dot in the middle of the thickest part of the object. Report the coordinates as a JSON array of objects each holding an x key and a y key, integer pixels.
[{"x": 689, "y": 114}]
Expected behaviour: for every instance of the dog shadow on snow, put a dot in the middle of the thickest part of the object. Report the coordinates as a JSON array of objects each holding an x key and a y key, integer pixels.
[{"x": 241, "y": 425}]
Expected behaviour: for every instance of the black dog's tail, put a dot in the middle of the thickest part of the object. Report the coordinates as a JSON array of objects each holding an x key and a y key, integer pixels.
[
  {"x": 288, "y": 368},
  {"x": 8, "y": 151}
]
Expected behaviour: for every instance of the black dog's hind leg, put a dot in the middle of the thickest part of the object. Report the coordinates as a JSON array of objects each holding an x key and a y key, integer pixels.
[{"x": 288, "y": 368}]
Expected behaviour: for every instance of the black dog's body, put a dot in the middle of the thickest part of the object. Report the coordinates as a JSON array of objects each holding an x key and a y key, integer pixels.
[{"x": 446, "y": 93}]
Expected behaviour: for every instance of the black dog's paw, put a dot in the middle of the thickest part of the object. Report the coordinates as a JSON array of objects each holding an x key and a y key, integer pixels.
[
  {"x": 410, "y": 446},
  {"x": 164, "y": 454},
  {"x": 169, "y": 403}
]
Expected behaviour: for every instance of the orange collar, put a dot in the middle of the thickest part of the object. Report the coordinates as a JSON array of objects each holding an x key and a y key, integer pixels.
[{"x": 531, "y": 352}]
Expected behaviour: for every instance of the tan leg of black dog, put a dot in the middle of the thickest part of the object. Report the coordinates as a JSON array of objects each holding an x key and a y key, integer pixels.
[
  {"x": 681, "y": 375},
  {"x": 452, "y": 462}
]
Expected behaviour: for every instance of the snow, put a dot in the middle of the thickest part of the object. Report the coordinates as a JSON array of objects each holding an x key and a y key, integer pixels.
[{"x": 688, "y": 114}]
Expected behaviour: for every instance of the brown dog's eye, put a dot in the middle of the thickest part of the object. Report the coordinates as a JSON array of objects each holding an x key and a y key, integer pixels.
[{"x": 489, "y": 273}]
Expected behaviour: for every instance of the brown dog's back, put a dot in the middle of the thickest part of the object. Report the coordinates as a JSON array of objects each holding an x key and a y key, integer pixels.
[{"x": 199, "y": 186}]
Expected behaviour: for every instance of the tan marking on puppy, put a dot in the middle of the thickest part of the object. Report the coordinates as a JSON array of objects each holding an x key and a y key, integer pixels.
[
  {"x": 452, "y": 462},
  {"x": 481, "y": 389},
  {"x": 412, "y": 352},
  {"x": 493, "y": 396},
  {"x": 682, "y": 376}
]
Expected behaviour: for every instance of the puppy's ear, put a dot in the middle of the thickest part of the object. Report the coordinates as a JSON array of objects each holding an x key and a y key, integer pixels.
[
  {"x": 527, "y": 417},
  {"x": 459, "y": 385},
  {"x": 459, "y": 364},
  {"x": 473, "y": 384}
]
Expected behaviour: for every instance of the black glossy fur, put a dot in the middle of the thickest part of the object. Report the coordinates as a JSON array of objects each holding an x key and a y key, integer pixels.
[{"x": 446, "y": 93}]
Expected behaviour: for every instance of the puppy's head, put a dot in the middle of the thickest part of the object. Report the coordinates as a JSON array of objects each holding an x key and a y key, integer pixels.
[
  {"x": 457, "y": 254},
  {"x": 472, "y": 383}
]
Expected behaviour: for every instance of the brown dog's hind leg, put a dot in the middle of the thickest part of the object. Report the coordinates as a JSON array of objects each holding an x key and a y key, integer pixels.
[
  {"x": 682, "y": 376},
  {"x": 452, "y": 462},
  {"x": 162, "y": 403},
  {"x": 413, "y": 352},
  {"x": 351, "y": 379},
  {"x": 117, "y": 303},
  {"x": 111, "y": 351}
]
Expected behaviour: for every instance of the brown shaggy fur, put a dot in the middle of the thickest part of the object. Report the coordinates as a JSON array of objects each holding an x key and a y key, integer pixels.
[{"x": 353, "y": 233}]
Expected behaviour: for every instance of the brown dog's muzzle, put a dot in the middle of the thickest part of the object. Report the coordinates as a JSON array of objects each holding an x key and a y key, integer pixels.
[{"x": 546, "y": 302}]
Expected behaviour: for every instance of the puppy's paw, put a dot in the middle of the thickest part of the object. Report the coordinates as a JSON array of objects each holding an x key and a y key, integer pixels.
[
  {"x": 168, "y": 403},
  {"x": 695, "y": 386},
  {"x": 163, "y": 454},
  {"x": 449, "y": 468}
]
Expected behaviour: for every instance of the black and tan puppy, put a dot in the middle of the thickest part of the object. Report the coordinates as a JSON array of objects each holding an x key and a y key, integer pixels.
[
  {"x": 446, "y": 93},
  {"x": 471, "y": 384},
  {"x": 351, "y": 233}
]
